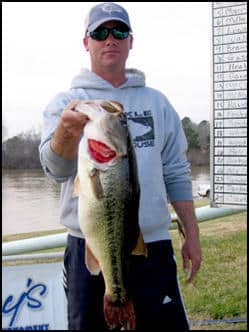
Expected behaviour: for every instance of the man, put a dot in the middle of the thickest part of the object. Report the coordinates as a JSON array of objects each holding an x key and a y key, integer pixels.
[{"x": 163, "y": 170}]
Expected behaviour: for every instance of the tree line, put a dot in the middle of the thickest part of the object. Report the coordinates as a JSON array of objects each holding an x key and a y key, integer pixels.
[
  {"x": 198, "y": 136},
  {"x": 21, "y": 151}
]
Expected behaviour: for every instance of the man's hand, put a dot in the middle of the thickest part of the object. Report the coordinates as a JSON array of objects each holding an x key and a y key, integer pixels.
[
  {"x": 68, "y": 132},
  {"x": 191, "y": 252},
  {"x": 191, "y": 249},
  {"x": 72, "y": 121}
]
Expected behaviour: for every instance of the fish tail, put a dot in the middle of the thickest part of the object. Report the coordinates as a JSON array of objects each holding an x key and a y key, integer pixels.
[{"x": 119, "y": 314}]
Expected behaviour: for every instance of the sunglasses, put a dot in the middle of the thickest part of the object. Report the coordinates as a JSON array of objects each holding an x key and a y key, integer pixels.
[{"x": 102, "y": 33}]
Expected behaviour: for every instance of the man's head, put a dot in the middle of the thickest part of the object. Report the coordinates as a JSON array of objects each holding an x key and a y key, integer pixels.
[
  {"x": 106, "y": 12},
  {"x": 108, "y": 36}
]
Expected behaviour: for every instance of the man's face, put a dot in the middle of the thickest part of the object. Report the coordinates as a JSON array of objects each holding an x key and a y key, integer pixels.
[{"x": 109, "y": 54}]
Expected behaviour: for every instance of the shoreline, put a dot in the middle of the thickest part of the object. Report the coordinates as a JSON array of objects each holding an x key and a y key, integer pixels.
[{"x": 20, "y": 236}]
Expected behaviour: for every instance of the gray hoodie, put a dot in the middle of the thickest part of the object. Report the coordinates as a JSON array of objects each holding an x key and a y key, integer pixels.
[{"x": 159, "y": 142}]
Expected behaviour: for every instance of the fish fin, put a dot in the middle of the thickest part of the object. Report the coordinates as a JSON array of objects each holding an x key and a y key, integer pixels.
[
  {"x": 119, "y": 314},
  {"x": 76, "y": 191},
  {"x": 92, "y": 263},
  {"x": 112, "y": 106},
  {"x": 96, "y": 184},
  {"x": 140, "y": 248}
]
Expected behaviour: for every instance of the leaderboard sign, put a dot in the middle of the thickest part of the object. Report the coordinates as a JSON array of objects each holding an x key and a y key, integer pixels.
[{"x": 229, "y": 116}]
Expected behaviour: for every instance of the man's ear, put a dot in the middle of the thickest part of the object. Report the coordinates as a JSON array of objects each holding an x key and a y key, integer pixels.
[
  {"x": 85, "y": 43},
  {"x": 131, "y": 41}
]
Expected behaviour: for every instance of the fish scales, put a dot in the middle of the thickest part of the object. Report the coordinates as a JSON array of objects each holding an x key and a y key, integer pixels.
[
  {"x": 113, "y": 215},
  {"x": 108, "y": 190}
]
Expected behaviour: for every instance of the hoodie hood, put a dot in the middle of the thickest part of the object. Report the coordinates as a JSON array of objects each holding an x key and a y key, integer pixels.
[{"x": 89, "y": 80}]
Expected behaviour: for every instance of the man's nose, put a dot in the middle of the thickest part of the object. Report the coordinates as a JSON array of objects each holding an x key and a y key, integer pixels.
[{"x": 111, "y": 39}]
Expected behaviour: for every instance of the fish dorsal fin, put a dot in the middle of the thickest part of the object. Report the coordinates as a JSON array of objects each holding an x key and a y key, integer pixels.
[
  {"x": 140, "y": 248},
  {"x": 76, "y": 191},
  {"x": 92, "y": 263}
]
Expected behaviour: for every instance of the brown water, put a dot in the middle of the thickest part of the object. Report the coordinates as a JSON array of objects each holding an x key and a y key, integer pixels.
[{"x": 31, "y": 201}]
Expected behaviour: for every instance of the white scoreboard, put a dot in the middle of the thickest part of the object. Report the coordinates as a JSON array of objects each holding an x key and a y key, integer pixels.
[{"x": 229, "y": 111}]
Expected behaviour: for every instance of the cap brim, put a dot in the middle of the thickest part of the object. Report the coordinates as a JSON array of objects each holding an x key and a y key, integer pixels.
[{"x": 98, "y": 23}]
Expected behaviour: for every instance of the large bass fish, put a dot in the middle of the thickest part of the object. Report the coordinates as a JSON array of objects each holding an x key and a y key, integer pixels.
[{"x": 108, "y": 190}]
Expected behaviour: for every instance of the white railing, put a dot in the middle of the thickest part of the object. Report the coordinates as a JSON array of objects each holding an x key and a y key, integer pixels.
[{"x": 59, "y": 240}]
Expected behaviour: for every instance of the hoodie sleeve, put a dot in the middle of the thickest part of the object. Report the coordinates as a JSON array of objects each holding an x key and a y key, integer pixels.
[
  {"x": 176, "y": 168},
  {"x": 54, "y": 166}
]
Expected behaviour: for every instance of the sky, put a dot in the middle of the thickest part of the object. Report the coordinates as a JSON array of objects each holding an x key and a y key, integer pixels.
[{"x": 42, "y": 51}]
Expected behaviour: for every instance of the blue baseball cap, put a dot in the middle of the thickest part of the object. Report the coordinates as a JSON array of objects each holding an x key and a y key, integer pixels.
[{"x": 107, "y": 11}]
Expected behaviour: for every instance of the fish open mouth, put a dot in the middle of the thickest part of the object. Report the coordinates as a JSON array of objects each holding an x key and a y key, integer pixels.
[{"x": 100, "y": 152}]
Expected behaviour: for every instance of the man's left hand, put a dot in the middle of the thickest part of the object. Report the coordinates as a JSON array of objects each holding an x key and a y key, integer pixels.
[{"x": 191, "y": 252}]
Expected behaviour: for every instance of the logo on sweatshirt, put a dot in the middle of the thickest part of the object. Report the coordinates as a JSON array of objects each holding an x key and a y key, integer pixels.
[{"x": 141, "y": 125}]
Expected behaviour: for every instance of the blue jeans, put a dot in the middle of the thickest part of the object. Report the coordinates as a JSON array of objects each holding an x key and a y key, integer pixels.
[{"x": 153, "y": 283}]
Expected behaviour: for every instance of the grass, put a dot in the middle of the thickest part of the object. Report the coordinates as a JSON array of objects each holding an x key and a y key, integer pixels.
[
  {"x": 223, "y": 327},
  {"x": 219, "y": 289}
]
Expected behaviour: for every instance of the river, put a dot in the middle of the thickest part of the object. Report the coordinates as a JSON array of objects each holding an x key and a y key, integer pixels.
[{"x": 31, "y": 201}]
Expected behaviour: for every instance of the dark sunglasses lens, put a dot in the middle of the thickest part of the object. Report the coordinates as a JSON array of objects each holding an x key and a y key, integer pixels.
[
  {"x": 100, "y": 34},
  {"x": 103, "y": 33},
  {"x": 119, "y": 34}
]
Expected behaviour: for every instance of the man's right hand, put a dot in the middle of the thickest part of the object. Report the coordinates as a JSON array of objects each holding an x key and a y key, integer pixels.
[
  {"x": 68, "y": 132},
  {"x": 72, "y": 121}
]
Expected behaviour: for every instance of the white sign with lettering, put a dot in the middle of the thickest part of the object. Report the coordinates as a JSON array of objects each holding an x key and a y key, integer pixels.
[
  {"x": 33, "y": 297},
  {"x": 229, "y": 123}
]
